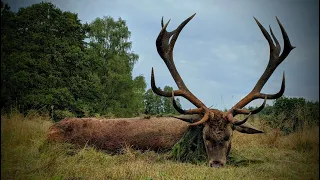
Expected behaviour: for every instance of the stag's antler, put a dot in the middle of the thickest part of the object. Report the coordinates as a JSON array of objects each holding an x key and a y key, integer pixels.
[
  {"x": 274, "y": 61},
  {"x": 165, "y": 50}
]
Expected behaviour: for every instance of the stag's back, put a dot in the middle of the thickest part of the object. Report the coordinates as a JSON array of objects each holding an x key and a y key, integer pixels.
[{"x": 112, "y": 134}]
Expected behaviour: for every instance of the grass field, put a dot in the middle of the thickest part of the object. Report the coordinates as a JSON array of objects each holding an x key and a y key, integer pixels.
[{"x": 26, "y": 155}]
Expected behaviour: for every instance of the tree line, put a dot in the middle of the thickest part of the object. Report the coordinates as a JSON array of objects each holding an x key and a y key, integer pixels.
[{"x": 51, "y": 62}]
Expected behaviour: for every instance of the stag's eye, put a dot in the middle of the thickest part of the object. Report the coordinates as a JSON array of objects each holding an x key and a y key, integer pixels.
[{"x": 226, "y": 138}]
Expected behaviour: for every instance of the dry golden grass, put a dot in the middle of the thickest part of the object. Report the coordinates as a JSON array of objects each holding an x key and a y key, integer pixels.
[{"x": 26, "y": 155}]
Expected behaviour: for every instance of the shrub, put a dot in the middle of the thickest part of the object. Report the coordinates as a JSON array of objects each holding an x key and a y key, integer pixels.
[
  {"x": 58, "y": 115},
  {"x": 291, "y": 114}
]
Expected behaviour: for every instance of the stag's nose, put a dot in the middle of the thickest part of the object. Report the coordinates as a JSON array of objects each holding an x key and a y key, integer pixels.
[{"x": 216, "y": 164}]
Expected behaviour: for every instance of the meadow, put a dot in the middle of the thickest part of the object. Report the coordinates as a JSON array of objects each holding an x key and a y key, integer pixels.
[{"x": 25, "y": 154}]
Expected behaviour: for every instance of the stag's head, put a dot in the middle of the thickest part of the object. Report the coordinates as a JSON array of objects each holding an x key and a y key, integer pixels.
[{"x": 218, "y": 125}]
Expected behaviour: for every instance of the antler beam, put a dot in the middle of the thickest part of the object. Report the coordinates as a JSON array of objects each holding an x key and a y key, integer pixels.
[
  {"x": 165, "y": 50},
  {"x": 274, "y": 60}
]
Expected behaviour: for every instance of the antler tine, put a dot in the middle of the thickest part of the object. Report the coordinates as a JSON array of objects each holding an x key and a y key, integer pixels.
[
  {"x": 160, "y": 92},
  {"x": 205, "y": 118},
  {"x": 277, "y": 47},
  {"x": 193, "y": 112},
  {"x": 274, "y": 60},
  {"x": 237, "y": 122},
  {"x": 287, "y": 45},
  {"x": 165, "y": 50},
  {"x": 175, "y": 105},
  {"x": 181, "y": 111},
  {"x": 254, "y": 111},
  {"x": 162, "y": 21}
]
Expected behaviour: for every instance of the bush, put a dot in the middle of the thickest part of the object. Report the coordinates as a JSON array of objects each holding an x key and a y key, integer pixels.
[
  {"x": 291, "y": 114},
  {"x": 58, "y": 115}
]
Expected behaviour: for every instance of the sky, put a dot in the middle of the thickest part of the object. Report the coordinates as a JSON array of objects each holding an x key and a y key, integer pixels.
[{"x": 221, "y": 53}]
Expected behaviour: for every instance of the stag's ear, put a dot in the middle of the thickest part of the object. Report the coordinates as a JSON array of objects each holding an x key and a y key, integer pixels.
[{"x": 247, "y": 128}]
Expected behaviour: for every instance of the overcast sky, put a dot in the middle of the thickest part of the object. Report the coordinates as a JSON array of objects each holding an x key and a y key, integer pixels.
[{"x": 221, "y": 52}]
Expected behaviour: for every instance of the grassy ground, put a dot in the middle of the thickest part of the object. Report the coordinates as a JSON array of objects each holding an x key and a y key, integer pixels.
[{"x": 26, "y": 155}]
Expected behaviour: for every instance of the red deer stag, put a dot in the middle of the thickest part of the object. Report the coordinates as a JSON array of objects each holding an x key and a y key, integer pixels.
[
  {"x": 218, "y": 125},
  {"x": 163, "y": 133}
]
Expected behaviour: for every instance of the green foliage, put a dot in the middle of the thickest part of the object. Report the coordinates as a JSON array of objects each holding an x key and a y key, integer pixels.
[
  {"x": 138, "y": 90},
  {"x": 191, "y": 147},
  {"x": 155, "y": 104},
  {"x": 46, "y": 62},
  {"x": 61, "y": 114},
  {"x": 109, "y": 51},
  {"x": 291, "y": 114},
  {"x": 288, "y": 105},
  {"x": 40, "y": 58}
]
